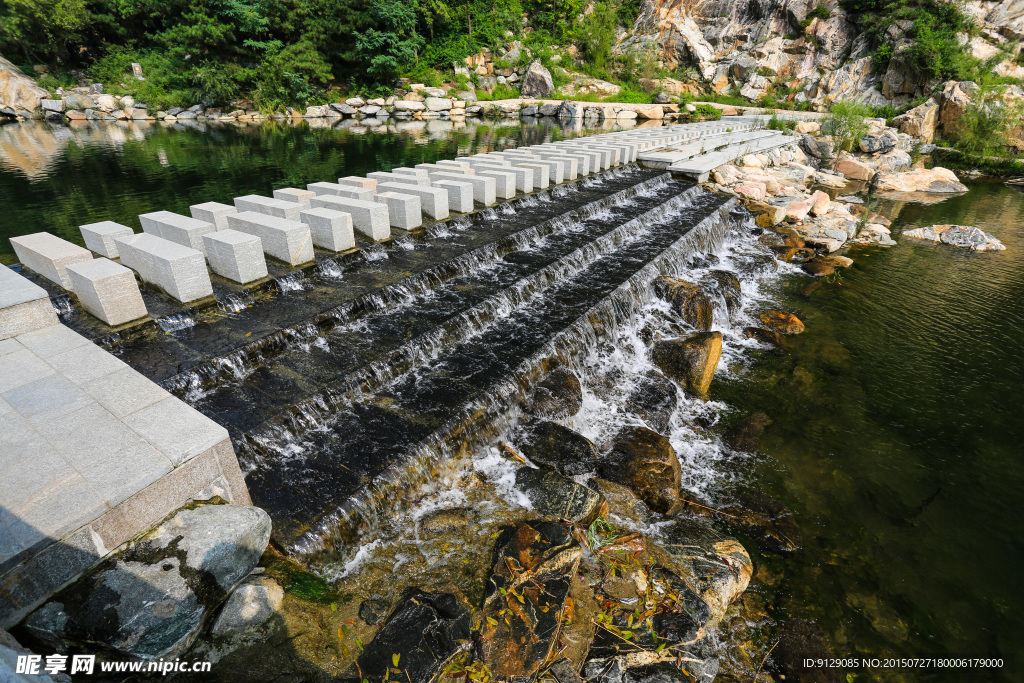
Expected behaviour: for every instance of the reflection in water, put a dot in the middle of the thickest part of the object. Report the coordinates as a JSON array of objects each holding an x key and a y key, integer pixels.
[{"x": 56, "y": 177}]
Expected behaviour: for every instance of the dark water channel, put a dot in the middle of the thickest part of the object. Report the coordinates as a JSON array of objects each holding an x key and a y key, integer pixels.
[{"x": 898, "y": 422}]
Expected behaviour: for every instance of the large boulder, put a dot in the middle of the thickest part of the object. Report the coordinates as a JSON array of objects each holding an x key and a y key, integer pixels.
[
  {"x": 424, "y": 633},
  {"x": 920, "y": 122},
  {"x": 782, "y": 322},
  {"x": 150, "y": 601},
  {"x": 935, "y": 180},
  {"x": 554, "y": 495},
  {"x": 19, "y": 94},
  {"x": 654, "y": 400},
  {"x": 537, "y": 82},
  {"x": 557, "y": 394},
  {"x": 966, "y": 236},
  {"x": 688, "y": 300},
  {"x": 645, "y": 462},
  {"x": 691, "y": 361},
  {"x": 724, "y": 285},
  {"x": 559, "y": 448}
]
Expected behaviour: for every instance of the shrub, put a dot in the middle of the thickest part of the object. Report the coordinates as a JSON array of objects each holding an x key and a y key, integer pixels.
[
  {"x": 846, "y": 123},
  {"x": 785, "y": 125},
  {"x": 707, "y": 112}
]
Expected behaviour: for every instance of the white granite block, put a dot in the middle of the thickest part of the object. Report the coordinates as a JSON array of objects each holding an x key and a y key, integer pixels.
[
  {"x": 541, "y": 177},
  {"x": 385, "y": 177},
  {"x": 369, "y": 218},
  {"x": 178, "y": 270},
  {"x": 213, "y": 212},
  {"x": 24, "y": 305},
  {"x": 504, "y": 181},
  {"x": 484, "y": 189},
  {"x": 294, "y": 194},
  {"x": 338, "y": 190},
  {"x": 100, "y": 237},
  {"x": 460, "y": 194},
  {"x": 188, "y": 232},
  {"x": 236, "y": 255},
  {"x": 49, "y": 255},
  {"x": 269, "y": 207},
  {"x": 108, "y": 291},
  {"x": 284, "y": 239},
  {"x": 571, "y": 164},
  {"x": 356, "y": 181},
  {"x": 433, "y": 200},
  {"x": 420, "y": 174},
  {"x": 330, "y": 229},
  {"x": 403, "y": 209}
]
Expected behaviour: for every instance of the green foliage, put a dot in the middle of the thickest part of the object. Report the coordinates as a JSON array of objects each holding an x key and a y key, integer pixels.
[
  {"x": 58, "y": 78},
  {"x": 707, "y": 112},
  {"x": 819, "y": 12},
  {"x": 596, "y": 33},
  {"x": 785, "y": 125},
  {"x": 983, "y": 127},
  {"x": 846, "y": 123},
  {"x": 387, "y": 50},
  {"x": 629, "y": 95}
]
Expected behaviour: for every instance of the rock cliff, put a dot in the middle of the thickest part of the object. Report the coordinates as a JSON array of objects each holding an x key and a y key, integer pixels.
[{"x": 19, "y": 94}]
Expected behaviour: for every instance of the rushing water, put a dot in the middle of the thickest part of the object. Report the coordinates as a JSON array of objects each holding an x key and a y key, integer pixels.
[{"x": 896, "y": 440}]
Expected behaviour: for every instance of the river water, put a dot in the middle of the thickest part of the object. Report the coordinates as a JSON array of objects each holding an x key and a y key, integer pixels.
[{"x": 896, "y": 418}]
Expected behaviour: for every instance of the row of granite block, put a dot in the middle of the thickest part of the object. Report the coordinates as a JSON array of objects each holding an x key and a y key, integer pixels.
[{"x": 175, "y": 251}]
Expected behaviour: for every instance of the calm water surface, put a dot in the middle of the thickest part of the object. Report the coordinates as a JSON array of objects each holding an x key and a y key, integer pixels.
[{"x": 898, "y": 441}]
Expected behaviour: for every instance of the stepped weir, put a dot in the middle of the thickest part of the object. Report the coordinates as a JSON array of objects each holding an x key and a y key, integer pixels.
[{"x": 353, "y": 336}]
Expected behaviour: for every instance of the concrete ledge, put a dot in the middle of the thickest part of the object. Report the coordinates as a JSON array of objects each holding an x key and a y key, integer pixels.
[
  {"x": 213, "y": 212},
  {"x": 330, "y": 229},
  {"x": 49, "y": 255},
  {"x": 108, "y": 291},
  {"x": 236, "y": 255},
  {"x": 100, "y": 237},
  {"x": 178, "y": 270},
  {"x": 188, "y": 232},
  {"x": 24, "y": 305},
  {"x": 286, "y": 240},
  {"x": 369, "y": 218}
]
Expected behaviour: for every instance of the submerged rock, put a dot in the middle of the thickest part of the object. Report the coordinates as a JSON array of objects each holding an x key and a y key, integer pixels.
[
  {"x": 558, "y": 448},
  {"x": 726, "y": 285},
  {"x": 449, "y": 519},
  {"x": 769, "y": 337},
  {"x": 374, "y": 612},
  {"x": 653, "y": 399},
  {"x": 557, "y": 395},
  {"x": 691, "y": 361},
  {"x": 688, "y": 300},
  {"x": 556, "y": 496},
  {"x": 766, "y": 521},
  {"x": 526, "y": 601},
  {"x": 423, "y": 633},
  {"x": 966, "y": 236},
  {"x": 782, "y": 322},
  {"x": 249, "y": 605},
  {"x": 634, "y": 669},
  {"x": 755, "y": 265},
  {"x": 746, "y": 435},
  {"x": 645, "y": 462}
]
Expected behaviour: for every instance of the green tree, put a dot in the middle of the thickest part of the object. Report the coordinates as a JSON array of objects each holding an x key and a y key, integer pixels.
[{"x": 391, "y": 44}]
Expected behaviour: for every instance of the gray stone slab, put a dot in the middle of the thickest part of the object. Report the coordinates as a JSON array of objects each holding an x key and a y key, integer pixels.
[
  {"x": 117, "y": 475},
  {"x": 69, "y": 503},
  {"x": 176, "y": 429},
  {"x": 22, "y": 445},
  {"x": 236, "y": 255},
  {"x": 46, "y": 399},
  {"x": 541, "y": 173},
  {"x": 213, "y": 212},
  {"x": 338, "y": 190},
  {"x": 433, "y": 200},
  {"x": 88, "y": 433},
  {"x": 16, "y": 289},
  {"x": 278, "y": 208},
  {"x": 49, "y": 255},
  {"x": 404, "y": 210},
  {"x": 26, "y": 317},
  {"x": 51, "y": 341},
  {"x": 9, "y": 346},
  {"x": 484, "y": 189},
  {"x": 100, "y": 237},
  {"x": 460, "y": 194},
  {"x": 368, "y": 218},
  {"x": 85, "y": 363},
  {"x": 664, "y": 157},
  {"x": 124, "y": 392},
  {"x": 108, "y": 291},
  {"x": 699, "y": 168},
  {"x": 178, "y": 270},
  {"x": 386, "y": 177},
  {"x": 356, "y": 181},
  {"x": 182, "y": 230},
  {"x": 21, "y": 367},
  {"x": 330, "y": 229},
  {"x": 294, "y": 194},
  {"x": 286, "y": 240}
]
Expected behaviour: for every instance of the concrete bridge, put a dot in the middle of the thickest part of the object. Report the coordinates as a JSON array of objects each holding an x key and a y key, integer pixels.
[{"x": 96, "y": 449}]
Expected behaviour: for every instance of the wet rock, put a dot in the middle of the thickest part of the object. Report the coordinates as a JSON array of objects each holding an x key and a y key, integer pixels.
[
  {"x": 726, "y": 285},
  {"x": 558, "y": 448},
  {"x": 934, "y": 180},
  {"x": 557, "y": 395},
  {"x": 563, "y": 672},
  {"x": 628, "y": 669},
  {"x": 966, "y": 236},
  {"x": 249, "y": 605},
  {"x": 765, "y": 520},
  {"x": 150, "y": 601},
  {"x": 818, "y": 268},
  {"x": 691, "y": 361},
  {"x": 654, "y": 399},
  {"x": 802, "y": 640},
  {"x": 745, "y": 436},
  {"x": 782, "y": 322},
  {"x": 441, "y": 521},
  {"x": 10, "y": 650},
  {"x": 424, "y": 632},
  {"x": 526, "y": 601},
  {"x": 769, "y": 337},
  {"x": 755, "y": 265},
  {"x": 645, "y": 462},
  {"x": 374, "y": 612},
  {"x": 688, "y": 300},
  {"x": 556, "y": 496}
]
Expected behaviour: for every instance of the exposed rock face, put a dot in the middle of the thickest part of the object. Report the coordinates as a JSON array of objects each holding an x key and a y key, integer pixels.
[
  {"x": 537, "y": 82},
  {"x": 966, "y": 236},
  {"x": 19, "y": 94},
  {"x": 722, "y": 283},
  {"x": 644, "y": 461},
  {"x": 920, "y": 121},
  {"x": 526, "y": 602},
  {"x": 558, "y": 394},
  {"x": 935, "y": 180},
  {"x": 688, "y": 300},
  {"x": 554, "y": 495},
  {"x": 782, "y": 322},
  {"x": 425, "y": 631},
  {"x": 654, "y": 399},
  {"x": 691, "y": 361},
  {"x": 558, "y": 448}
]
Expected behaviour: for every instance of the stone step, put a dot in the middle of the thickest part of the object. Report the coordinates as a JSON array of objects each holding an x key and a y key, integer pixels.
[{"x": 699, "y": 168}]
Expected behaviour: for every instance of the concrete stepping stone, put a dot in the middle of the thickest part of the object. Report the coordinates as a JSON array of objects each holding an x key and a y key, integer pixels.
[
  {"x": 356, "y": 181},
  {"x": 270, "y": 207},
  {"x": 484, "y": 189},
  {"x": 183, "y": 230},
  {"x": 284, "y": 239},
  {"x": 368, "y": 218},
  {"x": 330, "y": 229},
  {"x": 236, "y": 255},
  {"x": 108, "y": 291},
  {"x": 404, "y": 210},
  {"x": 433, "y": 200},
  {"x": 294, "y": 194},
  {"x": 212, "y": 212},
  {"x": 100, "y": 237},
  {"x": 178, "y": 270},
  {"x": 49, "y": 255},
  {"x": 460, "y": 194}
]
